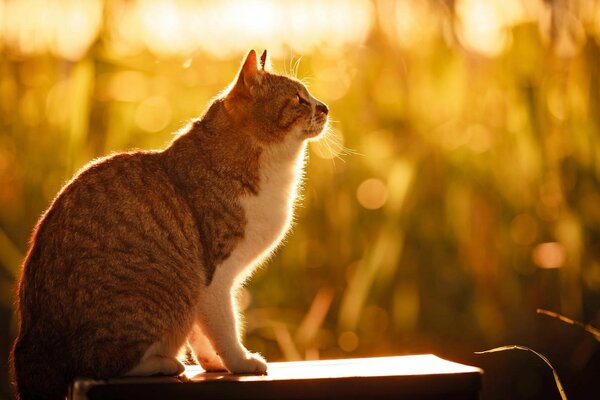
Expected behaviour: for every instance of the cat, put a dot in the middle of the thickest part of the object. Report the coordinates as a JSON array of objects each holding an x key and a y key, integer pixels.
[{"x": 142, "y": 252}]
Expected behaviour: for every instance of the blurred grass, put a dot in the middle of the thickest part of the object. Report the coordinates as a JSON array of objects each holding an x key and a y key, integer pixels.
[{"x": 468, "y": 196}]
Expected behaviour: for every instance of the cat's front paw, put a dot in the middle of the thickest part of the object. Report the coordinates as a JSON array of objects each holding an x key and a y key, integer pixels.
[{"x": 251, "y": 364}]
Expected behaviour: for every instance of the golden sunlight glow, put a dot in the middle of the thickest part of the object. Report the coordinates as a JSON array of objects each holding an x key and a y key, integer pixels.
[
  {"x": 409, "y": 23},
  {"x": 224, "y": 28},
  {"x": 356, "y": 367},
  {"x": 378, "y": 366},
  {"x": 482, "y": 25},
  {"x": 182, "y": 28},
  {"x": 66, "y": 28},
  {"x": 164, "y": 25}
]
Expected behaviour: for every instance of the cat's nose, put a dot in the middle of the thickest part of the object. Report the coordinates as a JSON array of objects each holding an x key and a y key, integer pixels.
[{"x": 322, "y": 108}]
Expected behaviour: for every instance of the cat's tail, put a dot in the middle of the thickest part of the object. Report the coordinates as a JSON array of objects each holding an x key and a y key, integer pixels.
[{"x": 38, "y": 374}]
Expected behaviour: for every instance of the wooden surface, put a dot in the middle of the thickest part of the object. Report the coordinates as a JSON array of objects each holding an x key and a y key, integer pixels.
[{"x": 403, "y": 377}]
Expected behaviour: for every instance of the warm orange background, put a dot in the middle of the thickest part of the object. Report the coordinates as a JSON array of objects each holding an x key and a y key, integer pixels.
[{"x": 457, "y": 192}]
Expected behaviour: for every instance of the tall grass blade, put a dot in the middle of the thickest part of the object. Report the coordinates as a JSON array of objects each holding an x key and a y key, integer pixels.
[
  {"x": 595, "y": 332},
  {"x": 559, "y": 385}
]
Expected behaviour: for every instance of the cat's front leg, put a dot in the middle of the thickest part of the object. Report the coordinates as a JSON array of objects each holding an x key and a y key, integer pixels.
[
  {"x": 204, "y": 351},
  {"x": 217, "y": 318}
]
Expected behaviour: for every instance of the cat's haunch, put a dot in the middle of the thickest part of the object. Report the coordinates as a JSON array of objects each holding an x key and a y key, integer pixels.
[{"x": 139, "y": 256}]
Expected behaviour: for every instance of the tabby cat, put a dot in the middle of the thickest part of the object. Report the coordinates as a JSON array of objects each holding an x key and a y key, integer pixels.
[{"x": 141, "y": 253}]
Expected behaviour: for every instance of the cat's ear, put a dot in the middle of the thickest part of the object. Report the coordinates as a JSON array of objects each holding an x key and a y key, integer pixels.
[
  {"x": 250, "y": 66},
  {"x": 248, "y": 77},
  {"x": 263, "y": 60}
]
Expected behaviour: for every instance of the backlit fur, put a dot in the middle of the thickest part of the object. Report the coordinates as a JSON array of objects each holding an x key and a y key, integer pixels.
[{"x": 141, "y": 252}]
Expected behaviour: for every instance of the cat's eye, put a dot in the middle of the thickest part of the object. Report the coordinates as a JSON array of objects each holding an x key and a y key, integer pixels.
[{"x": 301, "y": 100}]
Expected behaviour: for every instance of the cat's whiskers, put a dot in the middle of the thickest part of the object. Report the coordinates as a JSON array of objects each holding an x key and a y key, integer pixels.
[
  {"x": 296, "y": 67},
  {"x": 334, "y": 143},
  {"x": 294, "y": 70},
  {"x": 289, "y": 66}
]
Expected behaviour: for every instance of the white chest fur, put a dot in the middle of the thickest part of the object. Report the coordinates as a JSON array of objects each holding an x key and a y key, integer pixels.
[{"x": 268, "y": 214}]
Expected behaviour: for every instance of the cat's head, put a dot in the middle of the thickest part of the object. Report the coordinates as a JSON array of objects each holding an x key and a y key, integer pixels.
[{"x": 274, "y": 106}]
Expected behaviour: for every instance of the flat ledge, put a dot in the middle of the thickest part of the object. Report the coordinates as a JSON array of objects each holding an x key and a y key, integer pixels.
[{"x": 401, "y": 377}]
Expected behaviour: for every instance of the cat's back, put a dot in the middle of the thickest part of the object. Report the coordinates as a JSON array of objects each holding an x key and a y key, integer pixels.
[
  {"x": 119, "y": 228},
  {"x": 112, "y": 265},
  {"x": 111, "y": 194}
]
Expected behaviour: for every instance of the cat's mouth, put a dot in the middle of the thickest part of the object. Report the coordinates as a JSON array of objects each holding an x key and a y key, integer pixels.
[{"x": 316, "y": 127}]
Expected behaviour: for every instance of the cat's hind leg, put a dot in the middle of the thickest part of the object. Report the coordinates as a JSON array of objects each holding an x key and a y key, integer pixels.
[
  {"x": 159, "y": 359},
  {"x": 157, "y": 365}
]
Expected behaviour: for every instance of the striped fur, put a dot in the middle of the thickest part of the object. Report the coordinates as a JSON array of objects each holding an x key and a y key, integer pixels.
[{"x": 141, "y": 252}]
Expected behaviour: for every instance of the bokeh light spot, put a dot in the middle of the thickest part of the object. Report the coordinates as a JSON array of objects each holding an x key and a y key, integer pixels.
[
  {"x": 411, "y": 23},
  {"x": 482, "y": 25},
  {"x": 372, "y": 193},
  {"x": 348, "y": 341},
  {"x": 153, "y": 114},
  {"x": 549, "y": 255}
]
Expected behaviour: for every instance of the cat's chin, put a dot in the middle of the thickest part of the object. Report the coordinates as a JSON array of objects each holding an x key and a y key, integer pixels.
[
  {"x": 317, "y": 128},
  {"x": 312, "y": 134}
]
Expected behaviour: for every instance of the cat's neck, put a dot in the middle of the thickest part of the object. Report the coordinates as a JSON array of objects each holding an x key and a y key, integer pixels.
[
  {"x": 227, "y": 177},
  {"x": 225, "y": 147},
  {"x": 209, "y": 144}
]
